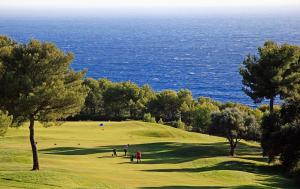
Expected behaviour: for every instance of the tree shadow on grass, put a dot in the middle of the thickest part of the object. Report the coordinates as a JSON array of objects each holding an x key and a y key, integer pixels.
[
  {"x": 233, "y": 165},
  {"x": 214, "y": 187},
  {"x": 245, "y": 149},
  {"x": 272, "y": 182},
  {"x": 161, "y": 152},
  {"x": 182, "y": 187},
  {"x": 272, "y": 173},
  {"x": 208, "y": 187},
  {"x": 74, "y": 150},
  {"x": 171, "y": 152},
  {"x": 258, "y": 159}
]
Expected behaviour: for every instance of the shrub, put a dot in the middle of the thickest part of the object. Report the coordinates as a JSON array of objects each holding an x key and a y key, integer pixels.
[
  {"x": 148, "y": 118},
  {"x": 289, "y": 140},
  {"x": 179, "y": 124},
  {"x": 228, "y": 123},
  {"x": 5, "y": 121},
  {"x": 253, "y": 128},
  {"x": 270, "y": 143}
]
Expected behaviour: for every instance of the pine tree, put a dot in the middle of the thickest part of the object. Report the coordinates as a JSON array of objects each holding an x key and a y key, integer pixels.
[
  {"x": 275, "y": 71},
  {"x": 37, "y": 84}
]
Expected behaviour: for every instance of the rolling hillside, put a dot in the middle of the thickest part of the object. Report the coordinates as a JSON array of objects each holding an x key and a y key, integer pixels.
[{"x": 78, "y": 155}]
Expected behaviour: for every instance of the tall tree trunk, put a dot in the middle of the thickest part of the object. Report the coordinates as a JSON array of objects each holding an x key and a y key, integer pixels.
[
  {"x": 33, "y": 146},
  {"x": 232, "y": 151},
  {"x": 271, "y": 105},
  {"x": 232, "y": 148}
]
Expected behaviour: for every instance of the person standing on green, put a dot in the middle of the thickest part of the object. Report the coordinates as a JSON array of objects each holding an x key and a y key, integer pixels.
[
  {"x": 114, "y": 152},
  {"x": 138, "y": 157},
  {"x": 126, "y": 149}
]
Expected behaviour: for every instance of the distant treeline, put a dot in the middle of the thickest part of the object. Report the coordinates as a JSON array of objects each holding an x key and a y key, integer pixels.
[{"x": 115, "y": 101}]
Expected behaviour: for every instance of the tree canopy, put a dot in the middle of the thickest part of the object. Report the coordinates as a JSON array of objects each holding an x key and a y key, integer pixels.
[
  {"x": 272, "y": 72},
  {"x": 38, "y": 84},
  {"x": 232, "y": 124},
  {"x": 202, "y": 116}
]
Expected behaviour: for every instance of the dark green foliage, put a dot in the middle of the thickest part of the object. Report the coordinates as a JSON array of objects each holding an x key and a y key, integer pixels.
[
  {"x": 276, "y": 72},
  {"x": 281, "y": 129},
  {"x": 145, "y": 97},
  {"x": 166, "y": 105},
  {"x": 186, "y": 105},
  {"x": 253, "y": 128},
  {"x": 202, "y": 116},
  {"x": 290, "y": 110},
  {"x": 202, "y": 119},
  {"x": 288, "y": 134},
  {"x": 125, "y": 100},
  {"x": 257, "y": 113},
  {"x": 271, "y": 124},
  {"x": 232, "y": 124},
  {"x": 93, "y": 106},
  {"x": 282, "y": 141},
  {"x": 37, "y": 83},
  {"x": 171, "y": 106},
  {"x": 270, "y": 73},
  {"x": 290, "y": 140},
  {"x": 121, "y": 100},
  {"x": 252, "y": 118},
  {"x": 114, "y": 101},
  {"x": 281, "y": 135}
]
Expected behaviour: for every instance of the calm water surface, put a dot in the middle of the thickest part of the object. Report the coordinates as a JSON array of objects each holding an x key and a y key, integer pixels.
[{"x": 202, "y": 54}]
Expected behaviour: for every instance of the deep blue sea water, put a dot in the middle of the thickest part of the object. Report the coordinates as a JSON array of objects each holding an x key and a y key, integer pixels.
[{"x": 202, "y": 54}]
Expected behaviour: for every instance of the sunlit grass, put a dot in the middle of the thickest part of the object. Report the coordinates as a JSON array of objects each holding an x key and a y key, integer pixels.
[{"x": 78, "y": 155}]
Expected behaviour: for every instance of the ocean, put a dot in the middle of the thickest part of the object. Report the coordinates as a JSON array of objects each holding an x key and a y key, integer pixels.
[{"x": 202, "y": 54}]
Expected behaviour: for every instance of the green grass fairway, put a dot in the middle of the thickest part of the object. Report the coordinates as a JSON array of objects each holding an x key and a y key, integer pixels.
[{"x": 78, "y": 155}]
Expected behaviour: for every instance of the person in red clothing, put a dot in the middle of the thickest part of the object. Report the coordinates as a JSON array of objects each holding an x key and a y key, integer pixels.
[{"x": 138, "y": 156}]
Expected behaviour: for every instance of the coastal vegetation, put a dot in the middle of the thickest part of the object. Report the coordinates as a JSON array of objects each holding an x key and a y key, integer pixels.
[
  {"x": 275, "y": 72},
  {"x": 37, "y": 84}
]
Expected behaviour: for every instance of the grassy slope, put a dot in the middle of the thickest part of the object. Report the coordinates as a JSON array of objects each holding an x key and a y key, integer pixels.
[{"x": 172, "y": 158}]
